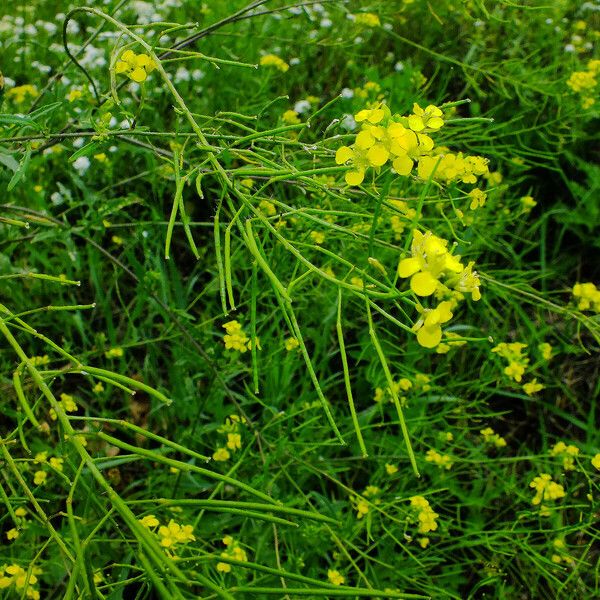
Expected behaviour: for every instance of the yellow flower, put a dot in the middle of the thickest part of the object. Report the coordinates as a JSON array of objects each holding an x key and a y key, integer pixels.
[
  {"x": 443, "y": 461},
  {"x": 424, "y": 542},
  {"x": 429, "y": 326},
  {"x": 291, "y": 344},
  {"x": 335, "y": 577},
  {"x": 545, "y": 350},
  {"x": 223, "y": 567},
  {"x": 74, "y": 94},
  {"x": 290, "y": 117},
  {"x": 41, "y": 457},
  {"x": 100, "y": 157},
  {"x": 428, "y": 118},
  {"x": 173, "y": 534},
  {"x": 362, "y": 507},
  {"x": 272, "y": 60},
  {"x": 546, "y": 489},
  {"x": 426, "y": 517},
  {"x": 528, "y": 203},
  {"x": 567, "y": 453},
  {"x": 12, "y": 534},
  {"x": 235, "y": 338},
  {"x": 20, "y": 93},
  {"x": 367, "y": 19},
  {"x": 532, "y": 387},
  {"x": 57, "y": 463},
  {"x": 221, "y": 454},
  {"x": 596, "y": 461},
  {"x": 478, "y": 198},
  {"x": 588, "y": 296},
  {"x": 114, "y": 353},
  {"x": 390, "y": 469},
  {"x": 517, "y": 362},
  {"x": 149, "y": 521},
  {"x": 39, "y": 477},
  {"x": 234, "y": 441},
  {"x": 492, "y": 438},
  {"x": 136, "y": 66},
  {"x": 267, "y": 208},
  {"x": 318, "y": 237}
]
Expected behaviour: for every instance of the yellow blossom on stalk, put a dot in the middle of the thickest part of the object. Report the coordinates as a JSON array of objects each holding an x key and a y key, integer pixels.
[
  {"x": 221, "y": 454},
  {"x": 56, "y": 463},
  {"x": 448, "y": 167},
  {"x": 68, "y": 404},
  {"x": 367, "y": 19},
  {"x": 587, "y": 296},
  {"x": 39, "y": 477},
  {"x": 290, "y": 117},
  {"x": 545, "y": 350},
  {"x": 546, "y": 489},
  {"x": 478, "y": 198},
  {"x": 12, "y": 534},
  {"x": 566, "y": 453},
  {"x": 371, "y": 490},
  {"x": 233, "y": 552},
  {"x": 335, "y": 577},
  {"x": 100, "y": 157},
  {"x": 114, "y": 353},
  {"x": 426, "y": 516},
  {"x": 596, "y": 461},
  {"x": 424, "y": 542},
  {"x": 443, "y": 461},
  {"x": 428, "y": 118},
  {"x": 391, "y": 469},
  {"x": 74, "y": 94},
  {"x": 528, "y": 203},
  {"x": 149, "y": 521},
  {"x": 429, "y": 325},
  {"x": 492, "y": 438},
  {"x": 235, "y": 337},
  {"x": 582, "y": 81},
  {"x": 23, "y": 581},
  {"x": 291, "y": 344},
  {"x": 272, "y": 60},
  {"x": 136, "y": 66},
  {"x": 513, "y": 353},
  {"x": 318, "y": 237},
  {"x": 41, "y": 457},
  {"x": 20, "y": 512},
  {"x": 234, "y": 441},
  {"x": 362, "y": 507},
  {"x": 21, "y": 93},
  {"x": 173, "y": 534},
  {"x": 532, "y": 387},
  {"x": 267, "y": 208}
]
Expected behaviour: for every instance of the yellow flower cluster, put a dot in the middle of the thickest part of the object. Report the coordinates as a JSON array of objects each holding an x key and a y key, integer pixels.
[
  {"x": 367, "y": 19},
  {"x": 404, "y": 141},
  {"x": 453, "y": 340},
  {"x": 172, "y": 534},
  {"x": 235, "y": 337},
  {"x": 532, "y": 387},
  {"x": 335, "y": 577},
  {"x": 492, "y": 438},
  {"x": 68, "y": 404},
  {"x": 584, "y": 82},
  {"x": 21, "y": 523},
  {"x": 22, "y": 580},
  {"x": 444, "y": 461},
  {"x": 233, "y": 552},
  {"x": 546, "y": 489},
  {"x": 136, "y": 66},
  {"x": 426, "y": 517},
  {"x": 290, "y": 117},
  {"x": 21, "y": 93},
  {"x": 566, "y": 453},
  {"x": 596, "y": 461},
  {"x": 291, "y": 343},
  {"x": 420, "y": 383},
  {"x": 397, "y": 221},
  {"x": 234, "y": 439},
  {"x": 431, "y": 261},
  {"x": 517, "y": 362},
  {"x": 272, "y": 60},
  {"x": 545, "y": 350},
  {"x": 587, "y": 296},
  {"x": 53, "y": 463},
  {"x": 114, "y": 352}
]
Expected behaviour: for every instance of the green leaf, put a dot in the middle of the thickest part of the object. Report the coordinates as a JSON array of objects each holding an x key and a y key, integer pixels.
[{"x": 20, "y": 172}]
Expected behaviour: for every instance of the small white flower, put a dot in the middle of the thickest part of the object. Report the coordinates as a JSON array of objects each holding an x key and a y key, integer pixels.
[
  {"x": 399, "y": 67},
  {"x": 302, "y": 106},
  {"x": 347, "y": 93},
  {"x": 348, "y": 123},
  {"x": 294, "y": 61},
  {"x": 82, "y": 164},
  {"x": 78, "y": 142},
  {"x": 326, "y": 22}
]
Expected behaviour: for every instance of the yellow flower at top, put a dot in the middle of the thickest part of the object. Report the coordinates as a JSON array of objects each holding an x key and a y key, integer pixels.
[
  {"x": 596, "y": 461},
  {"x": 235, "y": 337},
  {"x": 234, "y": 441},
  {"x": 429, "y": 326},
  {"x": 39, "y": 477},
  {"x": 532, "y": 387},
  {"x": 492, "y": 438},
  {"x": 391, "y": 469},
  {"x": 335, "y": 577},
  {"x": 173, "y": 534},
  {"x": 290, "y": 117},
  {"x": 362, "y": 507},
  {"x": 221, "y": 454},
  {"x": 444, "y": 461},
  {"x": 428, "y": 118},
  {"x": 272, "y": 60},
  {"x": 74, "y": 94},
  {"x": 136, "y": 66},
  {"x": 291, "y": 344},
  {"x": 149, "y": 521},
  {"x": 425, "y": 514},
  {"x": 517, "y": 362}
]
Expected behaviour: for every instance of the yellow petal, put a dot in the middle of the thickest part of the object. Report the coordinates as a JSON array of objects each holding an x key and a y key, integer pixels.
[
  {"x": 423, "y": 283},
  {"x": 408, "y": 267},
  {"x": 128, "y": 56},
  {"x": 343, "y": 154},
  {"x": 403, "y": 165},
  {"x": 361, "y": 115},
  {"x": 377, "y": 155},
  {"x": 416, "y": 123},
  {"x": 435, "y": 123},
  {"x": 138, "y": 75},
  {"x": 354, "y": 177},
  {"x": 121, "y": 67},
  {"x": 364, "y": 140},
  {"x": 375, "y": 116},
  {"x": 429, "y": 337}
]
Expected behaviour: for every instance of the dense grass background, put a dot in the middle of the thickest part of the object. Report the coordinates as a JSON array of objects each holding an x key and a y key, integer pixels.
[{"x": 203, "y": 163}]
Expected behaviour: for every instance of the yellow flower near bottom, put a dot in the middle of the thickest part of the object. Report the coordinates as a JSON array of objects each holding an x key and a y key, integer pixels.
[{"x": 335, "y": 577}]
